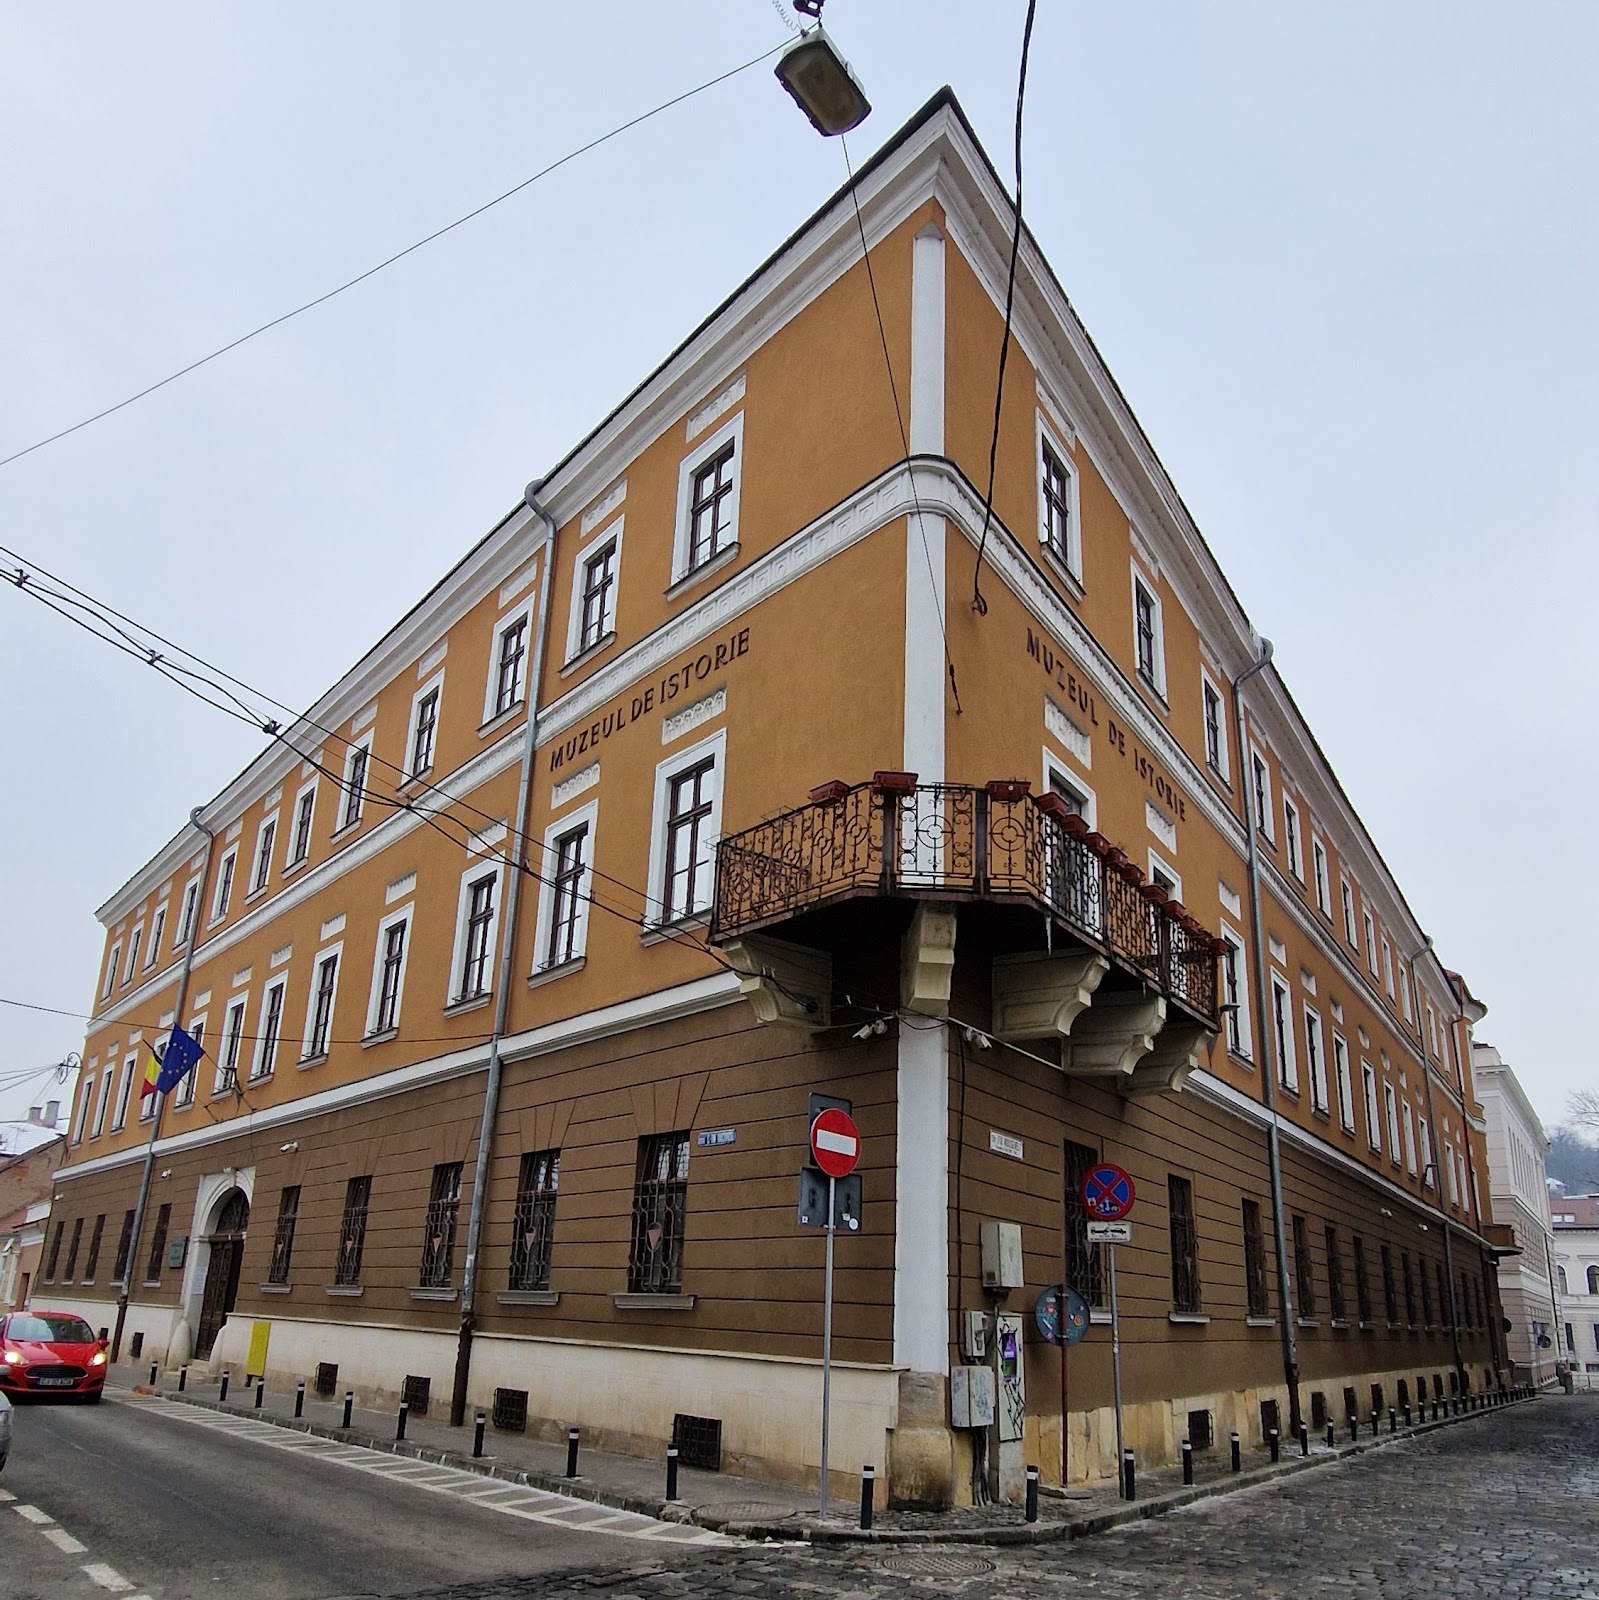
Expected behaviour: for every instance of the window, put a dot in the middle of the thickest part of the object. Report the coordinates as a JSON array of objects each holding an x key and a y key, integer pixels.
[
  {"x": 92, "y": 1263},
  {"x": 1336, "y": 1307},
  {"x": 563, "y": 937},
  {"x": 1388, "y": 967},
  {"x": 352, "y": 1232},
  {"x": 183, "y": 1095},
  {"x": 1426, "y": 1294},
  {"x": 1318, "y": 871},
  {"x": 283, "y": 1235},
  {"x": 1390, "y": 1300},
  {"x": 1368, "y": 1082},
  {"x": 660, "y": 1200},
  {"x": 424, "y": 731},
  {"x": 124, "y": 1091},
  {"x": 1347, "y": 895},
  {"x": 1362, "y": 1282},
  {"x": 708, "y": 487},
  {"x": 72, "y": 1250},
  {"x": 85, "y": 1095},
  {"x": 232, "y": 1036},
  {"x": 475, "y": 935},
  {"x": 1560, "y": 1278},
  {"x": 1405, "y": 1001},
  {"x": 1184, "y": 1246},
  {"x": 1453, "y": 1174},
  {"x": 224, "y": 889},
  {"x": 533, "y": 1229},
  {"x": 157, "y": 928},
  {"x": 158, "y": 1245},
  {"x": 53, "y": 1259},
  {"x": 1236, "y": 987},
  {"x": 133, "y": 954},
  {"x": 1085, "y": 1267},
  {"x": 124, "y": 1249},
  {"x": 324, "y": 990},
  {"x": 1283, "y": 1032},
  {"x": 1315, "y": 1059},
  {"x": 1432, "y": 1030},
  {"x": 438, "y": 1231},
  {"x": 105, "y": 1100},
  {"x": 388, "y": 973},
  {"x": 355, "y": 769},
  {"x": 1443, "y": 1294},
  {"x": 1215, "y": 729},
  {"x": 304, "y": 811},
  {"x": 1593, "y": 1280},
  {"x": 111, "y": 964},
  {"x": 1346, "y": 1091},
  {"x": 264, "y": 841},
  {"x": 687, "y": 821},
  {"x": 191, "y": 904},
  {"x": 1409, "y": 1128},
  {"x": 1371, "y": 941},
  {"x": 1391, "y": 1109},
  {"x": 1410, "y": 1288},
  {"x": 596, "y": 595},
  {"x": 1260, "y": 787},
  {"x": 1149, "y": 651},
  {"x": 1057, "y": 505},
  {"x": 1304, "y": 1269},
  {"x": 1259, "y": 1305},
  {"x": 1296, "y": 860},
  {"x": 266, "y": 1044},
  {"x": 1164, "y": 876},
  {"x": 510, "y": 661}
]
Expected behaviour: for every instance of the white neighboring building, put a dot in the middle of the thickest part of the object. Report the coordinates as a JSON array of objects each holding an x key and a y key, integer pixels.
[
  {"x": 1576, "y": 1219},
  {"x": 1516, "y": 1149}
]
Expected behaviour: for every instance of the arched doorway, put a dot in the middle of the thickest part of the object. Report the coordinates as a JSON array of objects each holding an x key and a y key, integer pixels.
[{"x": 222, "y": 1272}]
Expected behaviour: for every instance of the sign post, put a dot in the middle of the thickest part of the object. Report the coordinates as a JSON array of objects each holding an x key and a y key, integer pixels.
[
  {"x": 1108, "y": 1194},
  {"x": 835, "y": 1148}
]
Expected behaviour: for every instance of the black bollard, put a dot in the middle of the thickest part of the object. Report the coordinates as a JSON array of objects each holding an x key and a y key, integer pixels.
[
  {"x": 1393, "y": 1420},
  {"x": 571, "y": 1452},
  {"x": 1376, "y": 1422},
  {"x": 1354, "y": 1428},
  {"x": 154, "y": 1368},
  {"x": 299, "y": 1399},
  {"x": 1031, "y": 1507},
  {"x": 1407, "y": 1413},
  {"x": 1274, "y": 1444},
  {"x": 183, "y": 1378},
  {"x": 399, "y": 1422},
  {"x": 1129, "y": 1475},
  {"x": 222, "y": 1398},
  {"x": 477, "y": 1435},
  {"x": 1238, "y": 1453},
  {"x": 671, "y": 1472},
  {"x": 1188, "y": 1461},
  {"x": 868, "y": 1488},
  {"x": 1304, "y": 1440},
  {"x": 1332, "y": 1438},
  {"x": 260, "y": 1392},
  {"x": 349, "y": 1407}
]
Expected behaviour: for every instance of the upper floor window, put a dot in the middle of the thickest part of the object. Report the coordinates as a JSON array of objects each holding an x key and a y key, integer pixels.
[
  {"x": 1057, "y": 505},
  {"x": 266, "y": 1045},
  {"x": 388, "y": 973},
  {"x": 1347, "y": 896},
  {"x": 1346, "y": 1092},
  {"x": 355, "y": 770},
  {"x": 707, "y": 499},
  {"x": 1148, "y": 645},
  {"x": 183, "y": 1095},
  {"x": 1316, "y": 1060},
  {"x": 158, "y": 926},
  {"x": 597, "y": 595},
  {"x": 1368, "y": 1080},
  {"x": 224, "y": 892},
  {"x": 1296, "y": 861},
  {"x": 324, "y": 990},
  {"x": 232, "y": 1039},
  {"x": 1405, "y": 1001},
  {"x": 510, "y": 660},
  {"x": 1260, "y": 787},
  {"x": 85, "y": 1095},
  {"x": 687, "y": 823},
  {"x": 1215, "y": 729},
  {"x": 133, "y": 954},
  {"x": 191, "y": 904},
  {"x": 1388, "y": 967},
  {"x": 424, "y": 730},
  {"x": 264, "y": 840},
  {"x": 1236, "y": 998},
  {"x": 1371, "y": 940},
  {"x": 1283, "y": 1029},
  {"x": 563, "y": 907},
  {"x": 304, "y": 811},
  {"x": 112, "y": 962},
  {"x": 1390, "y": 1103},
  {"x": 1318, "y": 872},
  {"x": 124, "y": 1092},
  {"x": 474, "y": 939}
]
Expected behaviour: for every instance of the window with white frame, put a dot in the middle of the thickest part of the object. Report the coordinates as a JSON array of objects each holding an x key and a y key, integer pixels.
[
  {"x": 1368, "y": 1082},
  {"x": 709, "y": 482},
  {"x": 133, "y": 953},
  {"x": 1235, "y": 987},
  {"x": 1347, "y": 896},
  {"x": 1429, "y": 1173},
  {"x": 388, "y": 973},
  {"x": 232, "y": 1039},
  {"x": 1371, "y": 940},
  {"x": 191, "y": 904},
  {"x": 1260, "y": 787},
  {"x": 124, "y": 1092},
  {"x": 1164, "y": 876},
  {"x": 477, "y": 920},
  {"x": 105, "y": 1099},
  {"x": 1215, "y": 727},
  {"x": 1296, "y": 861},
  {"x": 113, "y": 961},
  {"x": 508, "y": 663},
  {"x": 1405, "y": 1001},
  {"x": 1318, "y": 871},
  {"x": 304, "y": 813},
  {"x": 319, "y": 1009},
  {"x": 85, "y": 1095},
  {"x": 270, "y": 1030},
  {"x": 1149, "y": 647},
  {"x": 1346, "y": 1090},
  {"x": 1282, "y": 1021},
  {"x": 1453, "y": 1175},
  {"x": 564, "y": 898},
  {"x": 357, "y": 760},
  {"x": 148, "y": 1102},
  {"x": 1390, "y": 1103},
  {"x": 1316, "y": 1060},
  {"x": 1432, "y": 1029},
  {"x": 422, "y": 736},
  {"x": 158, "y": 926},
  {"x": 1057, "y": 503},
  {"x": 1078, "y": 796},
  {"x": 592, "y": 619},
  {"x": 1408, "y": 1128},
  {"x": 265, "y": 838},
  {"x": 686, "y": 825},
  {"x": 183, "y": 1095},
  {"x": 1388, "y": 967},
  {"x": 224, "y": 889}
]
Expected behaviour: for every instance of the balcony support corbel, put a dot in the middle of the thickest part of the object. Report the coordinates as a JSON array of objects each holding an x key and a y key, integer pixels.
[
  {"x": 927, "y": 959},
  {"x": 1115, "y": 1033},
  {"x": 1172, "y": 1062},
  {"x": 787, "y": 984},
  {"x": 1040, "y": 996}
]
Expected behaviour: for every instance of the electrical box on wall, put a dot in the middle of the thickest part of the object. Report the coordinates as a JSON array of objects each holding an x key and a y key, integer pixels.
[
  {"x": 974, "y": 1335},
  {"x": 971, "y": 1397},
  {"x": 1002, "y": 1255}
]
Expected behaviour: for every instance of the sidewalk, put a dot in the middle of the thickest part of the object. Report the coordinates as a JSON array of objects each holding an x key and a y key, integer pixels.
[{"x": 756, "y": 1509}]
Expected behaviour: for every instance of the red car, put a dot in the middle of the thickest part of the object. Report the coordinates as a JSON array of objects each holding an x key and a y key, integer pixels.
[{"x": 47, "y": 1353}]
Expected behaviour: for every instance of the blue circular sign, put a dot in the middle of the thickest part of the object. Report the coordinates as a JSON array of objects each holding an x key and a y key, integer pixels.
[
  {"x": 1107, "y": 1192},
  {"x": 1047, "y": 1315}
]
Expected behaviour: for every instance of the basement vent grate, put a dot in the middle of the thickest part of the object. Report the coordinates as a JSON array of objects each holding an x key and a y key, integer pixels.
[
  {"x": 698, "y": 1441},
  {"x": 327, "y": 1379},
  {"x": 510, "y": 1410},
  {"x": 415, "y": 1394}
]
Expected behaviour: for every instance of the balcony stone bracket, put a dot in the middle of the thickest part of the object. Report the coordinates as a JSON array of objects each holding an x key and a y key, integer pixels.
[
  {"x": 788, "y": 984},
  {"x": 1172, "y": 1062},
  {"x": 1115, "y": 1033},
  {"x": 1039, "y": 996},
  {"x": 927, "y": 960}
]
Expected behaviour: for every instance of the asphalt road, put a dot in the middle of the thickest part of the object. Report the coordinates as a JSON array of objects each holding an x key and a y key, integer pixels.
[{"x": 141, "y": 1497}]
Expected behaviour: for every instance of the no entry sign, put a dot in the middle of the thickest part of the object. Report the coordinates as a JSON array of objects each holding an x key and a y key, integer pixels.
[
  {"x": 835, "y": 1143},
  {"x": 1108, "y": 1192}
]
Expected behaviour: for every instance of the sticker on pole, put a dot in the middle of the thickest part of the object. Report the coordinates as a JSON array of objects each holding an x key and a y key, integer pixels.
[
  {"x": 1108, "y": 1192},
  {"x": 835, "y": 1143},
  {"x": 1051, "y": 1322}
]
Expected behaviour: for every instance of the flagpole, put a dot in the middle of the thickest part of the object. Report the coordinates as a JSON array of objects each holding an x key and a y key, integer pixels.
[{"x": 125, "y": 1294}]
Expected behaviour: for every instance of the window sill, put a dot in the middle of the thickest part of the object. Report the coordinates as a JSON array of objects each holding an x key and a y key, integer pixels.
[
  {"x": 256, "y": 893},
  {"x": 1393, "y": 1327},
  {"x": 344, "y": 829},
  {"x": 1238, "y": 1059},
  {"x": 151, "y": 1283},
  {"x": 1260, "y": 1322},
  {"x": 529, "y": 1297},
  {"x": 501, "y": 719},
  {"x": 1307, "y": 1322},
  {"x": 382, "y": 1037},
  {"x": 1188, "y": 1319},
  {"x": 291, "y": 867},
  {"x": 1341, "y": 1323},
  {"x": 1220, "y": 776},
  {"x": 1055, "y": 562},
  {"x": 725, "y": 557},
  {"x": 312, "y": 1061},
  {"x": 344, "y": 1291},
  {"x": 588, "y": 653},
  {"x": 653, "y": 1302},
  {"x": 443, "y": 1296},
  {"x": 1321, "y": 1114},
  {"x": 277, "y": 1288},
  {"x": 1155, "y": 689},
  {"x": 414, "y": 781},
  {"x": 474, "y": 1002},
  {"x": 665, "y": 932},
  {"x": 565, "y": 969},
  {"x": 256, "y": 1079}
]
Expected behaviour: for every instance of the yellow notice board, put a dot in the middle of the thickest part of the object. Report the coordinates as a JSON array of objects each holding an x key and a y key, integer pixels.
[{"x": 260, "y": 1332}]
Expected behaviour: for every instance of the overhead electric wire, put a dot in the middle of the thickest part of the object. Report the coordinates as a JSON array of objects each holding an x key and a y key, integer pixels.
[
  {"x": 389, "y": 261},
  {"x": 979, "y": 604}
]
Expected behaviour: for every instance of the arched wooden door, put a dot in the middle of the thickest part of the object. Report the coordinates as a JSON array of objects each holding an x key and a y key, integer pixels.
[{"x": 222, "y": 1273}]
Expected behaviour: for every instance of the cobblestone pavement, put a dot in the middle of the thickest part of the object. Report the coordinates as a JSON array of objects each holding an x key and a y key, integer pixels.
[{"x": 1505, "y": 1507}]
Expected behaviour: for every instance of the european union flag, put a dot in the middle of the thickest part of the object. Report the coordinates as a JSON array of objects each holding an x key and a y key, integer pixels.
[{"x": 178, "y": 1060}]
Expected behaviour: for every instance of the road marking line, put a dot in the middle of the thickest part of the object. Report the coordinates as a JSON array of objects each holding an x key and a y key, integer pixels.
[
  {"x": 33, "y": 1514},
  {"x": 6, "y": 1497},
  {"x": 64, "y": 1541},
  {"x": 106, "y": 1577}
]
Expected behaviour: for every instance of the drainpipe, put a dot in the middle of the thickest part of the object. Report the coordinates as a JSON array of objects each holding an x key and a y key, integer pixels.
[
  {"x": 160, "y": 1100},
  {"x": 1269, "y": 1066},
  {"x": 502, "y": 995}
]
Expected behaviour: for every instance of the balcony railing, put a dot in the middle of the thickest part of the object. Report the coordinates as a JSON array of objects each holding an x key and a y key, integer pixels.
[{"x": 997, "y": 843}]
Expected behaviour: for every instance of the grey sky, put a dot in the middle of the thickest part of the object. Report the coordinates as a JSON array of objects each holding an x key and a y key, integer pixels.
[{"x": 1341, "y": 258}]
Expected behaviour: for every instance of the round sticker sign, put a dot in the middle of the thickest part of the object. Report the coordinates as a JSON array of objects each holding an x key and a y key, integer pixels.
[
  {"x": 1051, "y": 1323},
  {"x": 1108, "y": 1192}
]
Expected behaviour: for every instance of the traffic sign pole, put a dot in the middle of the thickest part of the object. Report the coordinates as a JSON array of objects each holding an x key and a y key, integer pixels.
[
  {"x": 1116, "y": 1365},
  {"x": 827, "y": 1336}
]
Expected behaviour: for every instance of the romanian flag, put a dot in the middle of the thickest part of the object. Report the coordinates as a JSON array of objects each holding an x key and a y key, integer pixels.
[{"x": 152, "y": 1073}]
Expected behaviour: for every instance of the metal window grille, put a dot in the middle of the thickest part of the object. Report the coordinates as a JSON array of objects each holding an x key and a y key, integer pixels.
[
  {"x": 263, "y": 855},
  {"x": 327, "y": 974},
  {"x": 283, "y": 1236},
  {"x": 510, "y": 1410},
  {"x": 1201, "y": 1431},
  {"x": 1255, "y": 1261},
  {"x": 1465, "y": 1296},
  {"x": 327, "y": 1379},
  {"x": 124, "y": 1245},
  {"x": 53, "y": 1259},
  {"x": 1426, "y": 1294},
  {"x": 475, "y": 962},
  {"x": 438, "y": 1232},
  {"x": 513, "y": 648},
  {"x": 688, "y": 808},
  {"x": 271, "y": 1026},
  {"x": 534, "y": 1226},
  {"x": 599, "y": 578},
  {"x": 566, "y": 887},
  {"x": 710, "y": 511},
  {"x": 302, "y": 824},
  {"x": 416, "y": 1392},
  {"x": 72, "y": 1250},
  {"x": 389, "y": 985},
  {"x": 1184, "y": 1245},
  {"x": 352, "y": 1231},
  {"x": 158, "y": 1244},
  {"x": 1390, "y": 1300},
  {"x": 1443, "y": 1291},
  {"x": 660, "y": 1197},
  {"x": 93, "y": 1260},
  {"x": 1085, "y": 1266},
  {"x": 427, "y": 725},
  {"x": 698, "y": 1441},
  {"x": 1335, "y": 1277},
  {"x": 1057, "y": 506},
  {"x": 355, "y": 784},
  {"x": 1304, "y": 1269},
  {"x": 1410, "y": 1288}
]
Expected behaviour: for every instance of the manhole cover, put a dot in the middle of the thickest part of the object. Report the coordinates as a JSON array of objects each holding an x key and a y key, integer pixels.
[
  {"x": 747, "y": 1511},
  {"x": 937, "y": 1564}
]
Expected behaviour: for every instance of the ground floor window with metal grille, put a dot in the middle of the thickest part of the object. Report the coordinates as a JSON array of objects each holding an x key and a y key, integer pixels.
[
  {"x": 1390, "y": 1301},
  {"x": 1336, "y": 1304},
  {"x": 352, "y": 1231},
  {"x": 1362, "y": 1281},
  {"x": 72, "y": 1251},
  {"x": 94, "y": 1249},
  {"x": 1304, "y": 1269},
  {"x": 1255, "y": 1261},
  {"x": 124, "y": 1246},
  {"x": 660, "y": 1197},
  {"x": 1085, "y": 1270},
  {"x": 54, "y": 1257},
  {"x": 283, "y": 1237},
  {"x": 438, "y": 1233},
  {"x": 1184, "y": 1246},
  {"x": 534, "y": 1227},
  {"x": 1410, "y": 1289},
  {"x": 158, "y": 1244}
]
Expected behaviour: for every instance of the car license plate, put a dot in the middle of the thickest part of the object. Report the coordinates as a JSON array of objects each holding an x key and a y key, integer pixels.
[{"x": 56, "y": 1383}]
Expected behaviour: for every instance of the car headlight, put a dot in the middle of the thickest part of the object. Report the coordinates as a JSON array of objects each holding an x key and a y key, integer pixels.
[
  {"x": 97, "y": 1359},
  {"x": 13, "y": 1358}
]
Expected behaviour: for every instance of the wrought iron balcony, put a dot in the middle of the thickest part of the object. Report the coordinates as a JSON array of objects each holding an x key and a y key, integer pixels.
[{"x": 999, "y": 844}]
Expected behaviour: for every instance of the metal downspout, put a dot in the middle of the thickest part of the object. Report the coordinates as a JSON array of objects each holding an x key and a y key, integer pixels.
[
  {"x": 1269, "y": 1064},
  {"x": 160, "y": 1100},
  {"x": 502, "y": 996}
]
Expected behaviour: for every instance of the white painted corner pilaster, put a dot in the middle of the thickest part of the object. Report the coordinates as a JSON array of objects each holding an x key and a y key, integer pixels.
[
  {"x": 921, "y": 1201},
  {"x": 925, "y": 535}
]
